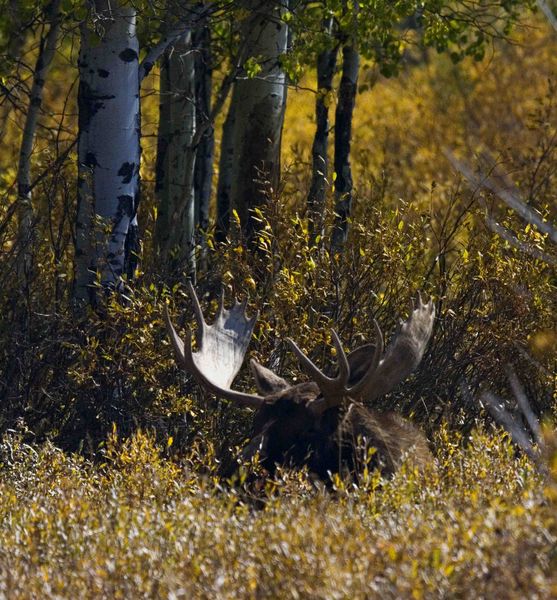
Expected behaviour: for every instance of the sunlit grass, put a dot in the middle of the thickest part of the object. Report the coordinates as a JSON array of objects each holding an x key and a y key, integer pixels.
[{"x": 477, "y": 525}]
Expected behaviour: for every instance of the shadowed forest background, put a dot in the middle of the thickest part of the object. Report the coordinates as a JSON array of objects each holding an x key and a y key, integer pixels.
[{"x": 442, "y": 180}]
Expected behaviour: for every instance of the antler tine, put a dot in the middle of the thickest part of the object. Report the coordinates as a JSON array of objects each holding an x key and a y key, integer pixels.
[
  {"x": 379, "y": 346},
  {"x": 307, "y": 365},
  {"x": 402, "y": 356},
  {"x": 343, "y": 367},
  {"x": 332, "y": 388},
  {"x": 220, "y": 352},
  {"x": 196, "y": 308},
  {"x": 176, "y": 341}
]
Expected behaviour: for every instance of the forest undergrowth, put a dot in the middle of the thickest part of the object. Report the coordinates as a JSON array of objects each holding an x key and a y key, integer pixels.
[
  {"x": 108, "y": 465},
  {"x": 479, "y": 524}
]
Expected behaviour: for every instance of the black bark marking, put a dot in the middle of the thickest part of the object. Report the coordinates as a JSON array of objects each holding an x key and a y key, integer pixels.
[
  {"x": 23, "y": 189},
  {"x": 125, "y": 206},
  {"x": 89, "y": 104},
  {"x": 84, "y": 106},
  {"x": 91, "y": 160},
  {"x": 126, "y": 171},
  {"x": 147, "y": 66},
  {"x": 128, "y": 55},
  {"x": 132, "y": 250},
  {"x": 103, "y": 73}
]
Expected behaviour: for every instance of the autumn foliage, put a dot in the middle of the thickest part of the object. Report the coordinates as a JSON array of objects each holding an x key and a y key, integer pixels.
[{"x": 110, "y": 454}]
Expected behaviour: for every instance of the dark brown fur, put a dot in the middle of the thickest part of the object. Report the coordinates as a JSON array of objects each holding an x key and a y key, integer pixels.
[{"x": 341, "y": 440}]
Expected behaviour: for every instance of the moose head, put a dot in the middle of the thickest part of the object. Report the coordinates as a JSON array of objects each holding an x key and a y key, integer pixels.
[{"x": 322, "y": 423}]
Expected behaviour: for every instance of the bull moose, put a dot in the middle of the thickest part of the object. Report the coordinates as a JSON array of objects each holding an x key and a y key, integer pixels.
[{"x": 323, "y": 423}]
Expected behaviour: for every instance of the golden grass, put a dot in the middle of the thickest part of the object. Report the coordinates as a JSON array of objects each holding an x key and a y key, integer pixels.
[{"x": 479, "y": 524}]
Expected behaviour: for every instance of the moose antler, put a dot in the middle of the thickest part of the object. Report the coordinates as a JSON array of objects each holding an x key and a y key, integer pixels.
[
  {"x": 221, "y": 349},
  {"x": 380, "y": 375}
]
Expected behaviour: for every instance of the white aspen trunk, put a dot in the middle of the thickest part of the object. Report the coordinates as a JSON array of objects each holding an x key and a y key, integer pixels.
[
  {"x": 175, "y": 229},
  {"x": 259, "y": 104},
  {"x": 205, "y": 149},
  {"x": 108, "y": 148},
  {"x": 25, "y": 206}
]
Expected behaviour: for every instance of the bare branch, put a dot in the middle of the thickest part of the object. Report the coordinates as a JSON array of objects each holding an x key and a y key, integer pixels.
[
  {"x": 511, "y": 238},
  {"x": 524, "y": 405},
  {"x": 502, "y": 416},
  {"x": 548, "y": 13},
  {"x": 511, "y": 198},
  {"x": 158, "y": 50}
]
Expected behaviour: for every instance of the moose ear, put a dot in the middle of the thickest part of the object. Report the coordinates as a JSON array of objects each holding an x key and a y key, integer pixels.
[
  {"x": 265, "y": 380},
  {"x": 359, "y": 361}
]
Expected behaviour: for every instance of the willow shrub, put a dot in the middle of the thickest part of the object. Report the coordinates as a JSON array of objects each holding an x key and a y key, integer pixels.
[
  {"x": 70, "y": 380},
  {"x": 415, "y": 226}
]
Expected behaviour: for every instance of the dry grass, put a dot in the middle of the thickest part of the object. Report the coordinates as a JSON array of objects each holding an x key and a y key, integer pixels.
[{"x": 480, "y": 524}]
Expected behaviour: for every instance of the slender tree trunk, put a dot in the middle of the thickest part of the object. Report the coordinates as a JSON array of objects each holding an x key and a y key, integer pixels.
[
  {"x": 226, "y": 164},
  {"x": 175, "y": 227},
  {"x": 108, "y": 149},
  {"x": 132, "y": 247},
  {"x": 259, "y": 111},
  {"x": 17, "y": 38},
  {"x": 326, "y": 65},
  {"x": 13, "y": 47},
  {"x": 205, "y": 150},
  {"x": 25, "y": 206},
  {"x": 343, "y": 135}
]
